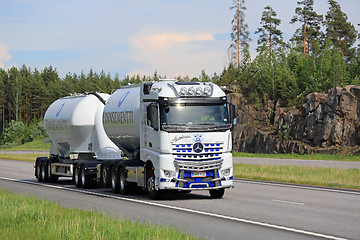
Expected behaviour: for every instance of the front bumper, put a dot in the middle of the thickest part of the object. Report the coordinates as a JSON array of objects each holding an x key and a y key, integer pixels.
[{"x": 173, "y": 184}]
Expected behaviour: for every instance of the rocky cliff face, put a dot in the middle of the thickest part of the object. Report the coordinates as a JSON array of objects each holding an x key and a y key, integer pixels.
[{"x": 325, "y": 123}]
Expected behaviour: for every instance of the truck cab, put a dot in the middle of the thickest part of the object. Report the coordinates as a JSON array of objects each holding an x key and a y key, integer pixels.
[{"x": 181, "y": 131}]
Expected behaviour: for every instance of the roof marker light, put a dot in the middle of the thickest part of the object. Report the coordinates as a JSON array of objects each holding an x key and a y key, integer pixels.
[
  {"x": 183, "y": 91},
  {"x": 191, "y": 91},
  {"x": 207, "y": 91}
]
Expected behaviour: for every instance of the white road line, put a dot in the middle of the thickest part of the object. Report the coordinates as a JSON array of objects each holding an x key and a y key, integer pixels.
[
  {"x": 181, "y": 209},
  {"x": 298, "y": 186},
  {"x": 282, "y": 201}
]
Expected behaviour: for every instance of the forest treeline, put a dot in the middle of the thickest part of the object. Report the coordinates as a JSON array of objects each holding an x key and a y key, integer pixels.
[{"x": 321, "y": 54}]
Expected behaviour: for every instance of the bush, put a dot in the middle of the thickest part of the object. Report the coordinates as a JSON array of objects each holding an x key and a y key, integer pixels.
[
  {"x": 18, "y": 133},
  {"x": 14, "y": 134}
]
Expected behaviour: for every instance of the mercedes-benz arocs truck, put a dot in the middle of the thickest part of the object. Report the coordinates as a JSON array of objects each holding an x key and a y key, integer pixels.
[{"x": 158, "y": 136}]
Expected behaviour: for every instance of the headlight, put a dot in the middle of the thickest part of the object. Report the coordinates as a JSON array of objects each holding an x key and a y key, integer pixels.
[{"x": 198, "y": 91}]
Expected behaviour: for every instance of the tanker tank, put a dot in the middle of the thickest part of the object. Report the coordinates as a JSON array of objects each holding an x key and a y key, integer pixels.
[
  {"x": 122, "y": 119},
  {"x": 74, "y": 125}
]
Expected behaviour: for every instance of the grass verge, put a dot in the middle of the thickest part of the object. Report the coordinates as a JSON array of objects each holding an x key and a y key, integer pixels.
[
  {"x": 36, "y": 145},
  {"x": 317, "y": 176},
  {"x": 31, "y": 218},
  {"x": 328, "y": 157},
  {"x": 31, "y": 157}
]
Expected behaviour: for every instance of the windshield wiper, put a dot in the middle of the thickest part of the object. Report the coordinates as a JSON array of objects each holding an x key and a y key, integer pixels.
[{"x": 175, "y": 124}]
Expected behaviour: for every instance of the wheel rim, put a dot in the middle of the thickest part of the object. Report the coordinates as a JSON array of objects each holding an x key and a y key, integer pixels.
[
  {"x": 38, "y": 171},
  {"x": 104, "y": 176},
  {"x": 76, "y": 176},
  {"x": 150, "y": 184},
  {"x": 43, "y": 171},
  {"x": 83, "y": 176},
  {"x": 122, "y": 183},
  {"x": 49, "y": 171},
  {"x": 113, "y": 183}
]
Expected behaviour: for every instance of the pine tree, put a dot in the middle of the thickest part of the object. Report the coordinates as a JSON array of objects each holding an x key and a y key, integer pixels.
[
  {"x": 3, "y": 80},
  {"x": 341, "y": 32},
  {"x": 240, "y": 33},
  {"x": 309, "y": 32},
  {"x": 271, "y": 36}
]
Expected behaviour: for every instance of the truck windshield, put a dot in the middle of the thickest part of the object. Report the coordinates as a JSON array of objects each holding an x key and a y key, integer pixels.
[{"x": 195, "y": 117}]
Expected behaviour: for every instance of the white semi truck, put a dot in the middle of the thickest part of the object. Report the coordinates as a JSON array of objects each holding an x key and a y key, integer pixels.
[{"x": 164, "y": 135}]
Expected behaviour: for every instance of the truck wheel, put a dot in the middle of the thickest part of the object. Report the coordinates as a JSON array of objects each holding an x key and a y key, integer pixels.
[
  {"x": 44, "y": 172},
  {"x": 105, "y": 178},
  {"x": 86, "y": 180},
  {"x": 51, "y": 177},
  {"x": 77, "y": 177},
  {"x": 123, "y": 186},
  {"x": 114, "y": 181},
  {"x": 217, "y": 193},
  {"x": 150, "y": 186},
  {"x": 38, "y": 171}
]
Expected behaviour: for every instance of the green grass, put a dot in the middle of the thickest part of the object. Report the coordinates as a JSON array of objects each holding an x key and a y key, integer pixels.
[
  {"x": 355, "y": 158},
  {"x": 30, "y": 157},
  {"x": 24, "y": 217},
  {"x": 36, "y": 145},
  {"x": 328, "y": 177}
]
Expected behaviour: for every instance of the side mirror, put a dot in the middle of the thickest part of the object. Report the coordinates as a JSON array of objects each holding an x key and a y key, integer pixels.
[{"x": 232, "y": 114}]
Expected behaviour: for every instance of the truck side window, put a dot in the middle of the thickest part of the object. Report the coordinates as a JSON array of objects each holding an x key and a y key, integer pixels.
[{"x": 152, "y": 116}]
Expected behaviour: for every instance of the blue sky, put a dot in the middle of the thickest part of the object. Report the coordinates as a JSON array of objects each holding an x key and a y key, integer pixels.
[{"x": 173, "y": 37}]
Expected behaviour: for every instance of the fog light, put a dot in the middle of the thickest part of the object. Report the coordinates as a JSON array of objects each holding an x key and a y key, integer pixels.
[
  {"x": 169, "y": 174},
  {"x": 225, "y": 172}
]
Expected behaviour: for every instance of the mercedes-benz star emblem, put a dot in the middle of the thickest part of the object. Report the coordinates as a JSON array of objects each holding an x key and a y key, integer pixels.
[{"x": 198, "y": 147}]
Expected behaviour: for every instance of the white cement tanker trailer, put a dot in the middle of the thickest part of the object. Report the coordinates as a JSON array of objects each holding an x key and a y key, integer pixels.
[{"x": 158, "y": 136}]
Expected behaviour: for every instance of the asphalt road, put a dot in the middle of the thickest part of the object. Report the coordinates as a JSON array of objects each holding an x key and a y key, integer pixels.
[{"x": 249, "y": 211}]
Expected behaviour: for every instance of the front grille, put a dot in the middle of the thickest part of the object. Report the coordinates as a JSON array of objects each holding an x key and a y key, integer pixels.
[{"x": 186, "y": 158}]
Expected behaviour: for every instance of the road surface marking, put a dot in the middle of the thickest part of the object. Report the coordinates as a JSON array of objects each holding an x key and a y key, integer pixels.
[
  {"x": 181, "y": 209},
  {"x": 282, "y": 201},
  {"x": 298, "y": 186}
]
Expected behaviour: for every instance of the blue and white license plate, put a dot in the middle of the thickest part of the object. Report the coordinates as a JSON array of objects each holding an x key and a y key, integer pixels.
[{"x": 198, "y": 174}]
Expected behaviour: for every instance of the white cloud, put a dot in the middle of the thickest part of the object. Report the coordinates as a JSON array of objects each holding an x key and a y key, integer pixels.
[
  {"x": 165, "y": 41},
  {"x": 174, "y": 54},
  {"x": 4, "y": 56}
]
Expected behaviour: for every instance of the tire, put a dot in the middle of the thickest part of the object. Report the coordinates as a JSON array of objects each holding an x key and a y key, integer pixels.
[
  {"x": 86, "y": 180},
  {"x": 217, "y": 193},
  {"x": 115, "y": 181},
  {"x": 123, "y": 185},
  {"x": 105, "y": 178},
  {"x": 186, "y": 191},
  {"x": 51, "y": 178},
  {"x": 38, "y": 171},
  {"x": 77, "y": 177},
  {"x": 150, "y": 185},
  {"x": 44, "y": 171}
]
